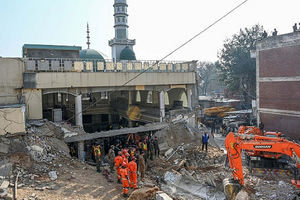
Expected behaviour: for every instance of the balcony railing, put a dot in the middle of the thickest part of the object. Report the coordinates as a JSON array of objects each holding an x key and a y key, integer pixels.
[{"x": 76, "y": 65}]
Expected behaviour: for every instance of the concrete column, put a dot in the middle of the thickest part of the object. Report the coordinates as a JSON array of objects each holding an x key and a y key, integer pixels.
[
  {"x": 129, "y": 97},
  {"x": 33, "y": 101},
  {"x": 81, "y": 152},
  {"x": 130, "y": 124},
  {"x": 189, "y": 98},
  {"x": 162, "y": 105},
  {"x": 78, "y": 111}
]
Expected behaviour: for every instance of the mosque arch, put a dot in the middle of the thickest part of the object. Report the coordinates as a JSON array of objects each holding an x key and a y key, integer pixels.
[
  {"x": 183, "y": 98},
  {"x": 167, "y": 102},
  {"x": 138, "y": 96},
  {"x": 150, "y": 97}
]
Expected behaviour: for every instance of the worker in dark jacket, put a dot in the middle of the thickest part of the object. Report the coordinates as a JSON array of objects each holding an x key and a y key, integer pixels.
[
  {"x": 205, "y": 138},
  {"x": 156, "y": 147},
  {"x": 111, "y": 158}
]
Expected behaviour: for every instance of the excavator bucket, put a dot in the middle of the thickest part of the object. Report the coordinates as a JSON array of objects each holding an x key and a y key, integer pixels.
[{"x": 231, "y": 188}]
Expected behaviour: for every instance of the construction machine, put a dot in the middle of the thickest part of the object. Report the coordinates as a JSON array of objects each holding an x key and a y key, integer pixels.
[
  {"x": 235, "y": 143},
  {"x": 262, "y": 159}
]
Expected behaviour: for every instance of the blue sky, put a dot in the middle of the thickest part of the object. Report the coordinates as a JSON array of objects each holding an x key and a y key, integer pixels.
[
  {"x": 159, "y": 26},
  {"x": 53, "y": 22}
]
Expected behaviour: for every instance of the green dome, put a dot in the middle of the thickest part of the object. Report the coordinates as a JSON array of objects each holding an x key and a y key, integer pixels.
[
  {"x": 127, "y": 54},
  {"x": 86, "y": 54}
]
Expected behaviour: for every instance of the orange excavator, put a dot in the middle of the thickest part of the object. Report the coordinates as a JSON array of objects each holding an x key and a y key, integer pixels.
[
  {"x": 235, "y": 143},
  {"x": 269, "y": 158}
]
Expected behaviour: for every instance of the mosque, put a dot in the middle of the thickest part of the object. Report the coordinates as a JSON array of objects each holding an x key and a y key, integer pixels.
[
  {"x": 122, "y": 47},
  {"x": 83, "y": 87}
]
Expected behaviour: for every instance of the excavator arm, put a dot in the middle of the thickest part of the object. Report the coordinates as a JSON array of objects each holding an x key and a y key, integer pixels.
[{"x": 236, "y": 143}]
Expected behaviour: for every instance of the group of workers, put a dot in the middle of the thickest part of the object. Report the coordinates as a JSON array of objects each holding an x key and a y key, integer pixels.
[
  {"x": 127, "y": 159},
  {"x": 126, "y": 167}
]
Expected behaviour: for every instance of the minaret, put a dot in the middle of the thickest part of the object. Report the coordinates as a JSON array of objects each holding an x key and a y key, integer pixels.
[
  {"x": 88, "y": 36},
  {"x": 120, "y": 40}
]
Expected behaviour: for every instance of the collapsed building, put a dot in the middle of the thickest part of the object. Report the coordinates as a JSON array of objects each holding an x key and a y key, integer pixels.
[{"x": 84, "y": 88}]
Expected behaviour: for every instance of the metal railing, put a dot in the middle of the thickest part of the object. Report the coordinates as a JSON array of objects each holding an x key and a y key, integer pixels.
[{"x": 77, "y": 65}]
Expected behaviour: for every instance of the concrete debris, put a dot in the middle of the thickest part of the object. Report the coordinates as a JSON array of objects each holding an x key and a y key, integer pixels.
[
  {"x": 243, "y": 195},
  {"x": 162, "y": 196},
  {"x": 145, "y": 193},
  {"x": 5, "y": 168},
  {"x": 210, "y": 180},
  {"x": 4, "y": 184},
  {"x": 169, "y": 152},
  {"x": 172, "y": 177},
  {"x": 5, "y": 195},
  {"x": 52, "y": 175},
  {"x": 4, "y": 148},
  {"x": 37, "y": 123}
]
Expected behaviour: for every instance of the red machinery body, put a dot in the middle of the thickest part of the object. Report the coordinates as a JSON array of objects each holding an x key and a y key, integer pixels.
[{"x": 236, "y": 143}]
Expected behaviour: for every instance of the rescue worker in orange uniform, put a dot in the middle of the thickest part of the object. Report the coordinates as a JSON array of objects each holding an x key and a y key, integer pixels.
[
  {"x": 118, "y": 163},
  {"x": 125, "y": 158},
  {"x": 132, "y": 166},
  {"x": 124, "y": 152},
  {"x": 124, "y": 175}
]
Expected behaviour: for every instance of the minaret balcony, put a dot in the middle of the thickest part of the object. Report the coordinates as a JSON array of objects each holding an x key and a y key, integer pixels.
[{"x": 121, "y": 42}]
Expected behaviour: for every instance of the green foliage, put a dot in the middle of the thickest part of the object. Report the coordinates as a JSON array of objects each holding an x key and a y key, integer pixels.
[
  {"x": 237, "y": 69},
  {"x": 206, "y": 71}
]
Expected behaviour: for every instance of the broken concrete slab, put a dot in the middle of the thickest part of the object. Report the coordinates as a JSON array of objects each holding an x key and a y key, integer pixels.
[
  {"x": 169, "y": 152},
  {"x": 4, "y": 148},
  {"x": 5, "y": 168},
  {"x": 52, "y": 175},
  {"x": 4, "y": 184},
  {"x": 160, "y": 195},
  {"x": 5, "y": 140},
  {"x": 243, "y": 195},
  {"x": 37, "y": 123}
]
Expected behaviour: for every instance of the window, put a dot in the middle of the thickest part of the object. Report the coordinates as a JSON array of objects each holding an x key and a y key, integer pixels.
[
  {"x": 118, "y": 8},
  {"x": 122, "y": 8},
  {"x": 119, "y": 19},
  {"x": 123, "y": 19}
]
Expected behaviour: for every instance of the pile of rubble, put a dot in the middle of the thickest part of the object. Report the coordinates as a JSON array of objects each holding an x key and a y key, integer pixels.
[
  {"x": 32, "y": 159},
  {"x": 186, "y": 172}
]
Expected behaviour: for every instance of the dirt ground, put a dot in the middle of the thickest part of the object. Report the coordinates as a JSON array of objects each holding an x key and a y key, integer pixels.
[{"x": 79, "y": 182}]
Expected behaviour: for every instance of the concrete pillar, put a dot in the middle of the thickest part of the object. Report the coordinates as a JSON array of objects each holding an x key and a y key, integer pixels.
[
  {"x": 162, "y": 105},
  {"x": 33, "y": 102},
  {"x": 129, "y": 97},
  {"x": 78, "y": 111},
  {"x": 81, "y": 152},
  {"x": 189, "y": 98},
  {"x": 130, "y": 123}
]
